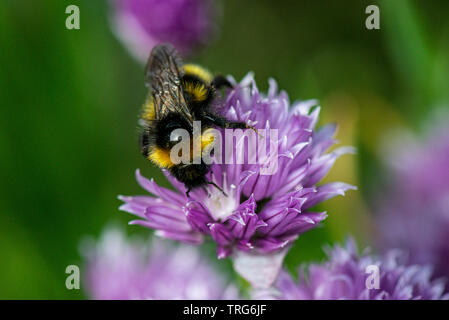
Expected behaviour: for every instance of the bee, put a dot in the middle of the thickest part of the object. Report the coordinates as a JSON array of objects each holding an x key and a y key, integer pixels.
[{"x": 179, "y": 94}]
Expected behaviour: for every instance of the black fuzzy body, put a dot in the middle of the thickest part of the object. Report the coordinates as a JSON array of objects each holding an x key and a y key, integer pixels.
[{"x": 175, "y": 108}]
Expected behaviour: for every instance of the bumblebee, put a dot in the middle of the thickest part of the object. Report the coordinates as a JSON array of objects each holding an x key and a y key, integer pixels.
[{"x": 179, "y": 94}]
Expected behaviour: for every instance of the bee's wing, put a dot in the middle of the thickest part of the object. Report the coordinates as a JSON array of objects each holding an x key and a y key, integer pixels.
[{"x": 163, "y": 75}]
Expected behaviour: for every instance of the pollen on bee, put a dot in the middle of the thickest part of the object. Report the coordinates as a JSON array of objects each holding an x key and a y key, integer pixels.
[
  {"x": 206, "y": 139},
  {"x": 161, "y": 157},
  {"x": 197, "y": 91}
]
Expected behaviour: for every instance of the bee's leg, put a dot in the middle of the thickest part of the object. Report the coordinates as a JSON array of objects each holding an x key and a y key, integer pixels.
[
  {"x": 222, "y": 122},
  {"x": 215, "y": 185},
  {"x": 220, "y": 82},
  {"x": 239, "y": 125},
  {"x": 188, "y": 191},
  {"x": 225, "y": 124}
]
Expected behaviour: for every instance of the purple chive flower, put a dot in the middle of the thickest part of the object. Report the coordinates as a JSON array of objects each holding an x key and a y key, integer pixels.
[
  {"x": 142, "y": 24},
  {"x": 414, "y": 213},
  {"x": 121, "y": 268},
  {"x": 344, "y": 276},
  {"x": 261, "y": 214}
]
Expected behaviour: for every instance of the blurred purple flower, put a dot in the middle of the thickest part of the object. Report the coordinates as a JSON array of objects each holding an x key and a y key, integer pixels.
[
  {"x": 261, "y": 214},
  {"x": 142, "y": 24},
  {"x": 414, "y": 213},
  {"x": 344, "y": 276},
  {"x": 121, "y": 268}
]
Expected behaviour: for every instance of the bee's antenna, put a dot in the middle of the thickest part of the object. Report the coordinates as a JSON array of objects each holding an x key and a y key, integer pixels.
[
  {"x": 207, "y": 191},
  {"x": 215, "y": 185}
]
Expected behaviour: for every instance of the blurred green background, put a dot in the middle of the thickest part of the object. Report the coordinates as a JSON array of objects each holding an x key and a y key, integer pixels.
[{"x": 70, "y": 98}]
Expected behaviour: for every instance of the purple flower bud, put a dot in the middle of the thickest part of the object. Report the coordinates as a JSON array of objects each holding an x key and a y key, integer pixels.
[
  {"x": 347, "y": 275},
  {"x": 121, "y": 268},
  {"x": 142, "y": 24}
]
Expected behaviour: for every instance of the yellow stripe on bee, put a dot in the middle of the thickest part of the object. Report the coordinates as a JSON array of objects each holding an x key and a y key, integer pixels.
[
  {"x": 148, "y": 110},
  {"x": 161, "y": 157},
  {"x": 199, "y": 72},
  {"x": 206, "y": 139},
  {"x": 197, "y": 91}
]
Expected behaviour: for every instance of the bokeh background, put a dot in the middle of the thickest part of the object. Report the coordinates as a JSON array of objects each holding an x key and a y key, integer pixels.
[{"x": 70, "y": 98}]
